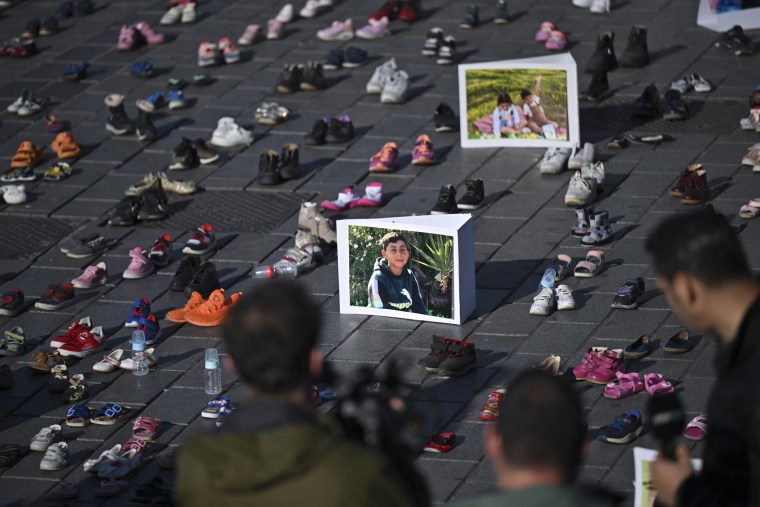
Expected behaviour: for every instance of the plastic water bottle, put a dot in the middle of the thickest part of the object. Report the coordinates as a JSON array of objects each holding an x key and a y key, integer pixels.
[
  {"x": 139, "y": 358},
  {"x": 213, "y": 380},
  {"x": 284, "y": 270},
  {"x": 549, "y": 278}
]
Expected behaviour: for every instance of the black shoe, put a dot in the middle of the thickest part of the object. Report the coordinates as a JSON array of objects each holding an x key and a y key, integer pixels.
[
  {"x": 474, "y": 196},
  {"x": 290, "y": 168},
  {"x": 153, "y": 205},
  {"x": 433, "y": 42},
  {"x": 598, "y": 89},
  {"x": 84, "y": 7},
  {"x": 11, "y": 302},
  {"x": 290, "y": 79},
  {"x": 161, "y": 251},
  {"x": 49, "y": 26},
  {"x": 118, "y": 122},
  {"x": 445, "y": 118},
  {"x": 648, "y": 105},
  {"x": 334, "y": 60},
  {"x": 32, "y": 29},
  {"x": 317, "y": 135},
  {"x": 447, "y": 53},
  {"x": 146, "y": 131},
  {"x": 447, "y": 202},
  {"x": 500, "y": 13},
  {"x": 472, "y": 19},
  {"x": 313, "y": 78},
  {"x": 604, "y": 55},
  {"x": 736, "y": 40},
  {"x": 183, "y": 155},
  {"x": 438, "y": 353},
  {"x": 205, "y": 154},
  {"x": 56, "y": 297},
  {"x": 636, "y": 54},
  {"x": 205, "y": 280},
  {"x": 268, "y": 162},
  {"x": 627, "y": 297},
  {"x": 340, "y": 130},
  {"x": 185, "y": 273},
  {"x": 674, "y": 108},
  {"x": 125, "y": 213},
  {"x": 65, "y": 10},
  {"x": 461, "y": 359}
]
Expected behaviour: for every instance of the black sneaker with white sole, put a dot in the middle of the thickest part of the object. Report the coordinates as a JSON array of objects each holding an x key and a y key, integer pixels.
[
  {"x": 161, "y": 251},
  {"x": 153, "y": 205},
  {"x": 474, "y": 196},
  {"x": 183, "y": 156},
  {"x": 205, "y": 154},
  {"x": 447, "y": 202},
  {"x": 146, "y": 130},
  {"x": 445, "y": 118},
  {"x": 118, "y": 122},
  {"x": 433, "y": 41},
  {"x": 205, "y": 280},
  {"x": 94, "y": 246},
  {"x": 125, "y": 213},
  {"x": 318, "y": 132},
  {"x": 185, "y": 273},
  {"x": 19, "y": 174},
  {"x": 447, "y": 53},
  {"x": 629, "y": 295},
  {"x": 11, "y": 302},
  {"x": 56, "y": 297}
]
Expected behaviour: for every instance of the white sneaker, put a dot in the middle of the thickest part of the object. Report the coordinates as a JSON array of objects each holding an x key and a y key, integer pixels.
[
  {"x": 582, "y": 3},
  {"x": 544, "y": 302},
  {"x": 337, "y": 31},
  {"x": 600, "y": 6},
  {"x": 228, "y": 133},
  {"x": 700, "y": 84},
  {"x": 582, "y": 157},
  {"x": 565, "y": 299},
  {"x": 580, "y": 191},
  {"x": 172, "y": 16},
  {"x": 325, "y": 3},
  {"x": 310, "y": 9},
  {"x": 13, "y": 194},
  {"x": 286, "y": 14},
  {"x": 394, "y": 91},
  {"x": 382, "y": 73},
  {"x": 595, "y": 171},
  {"x": 683, "y": 85},
  {"x": 554, "y": 160}
]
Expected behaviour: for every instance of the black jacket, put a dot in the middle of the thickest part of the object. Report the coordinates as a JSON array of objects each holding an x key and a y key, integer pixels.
[
  {"x": 731, "y": 468},
  {"x": 392, "y": 292}
]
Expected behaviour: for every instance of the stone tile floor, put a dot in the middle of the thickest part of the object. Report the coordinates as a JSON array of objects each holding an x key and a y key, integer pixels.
[{"x": 522, "y": 226}]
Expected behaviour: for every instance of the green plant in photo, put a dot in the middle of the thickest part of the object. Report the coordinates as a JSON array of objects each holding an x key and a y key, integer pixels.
[{"x": 437, "y": 254}]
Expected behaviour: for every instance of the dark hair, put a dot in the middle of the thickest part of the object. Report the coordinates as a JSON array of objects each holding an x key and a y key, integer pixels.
[
  {"x": 540, "y": 423},
  {"x": 504, "y": 98},
  {"x": 392, "y": 237},
  {"x": 270, "y": 334},
  {"x": 525, "y": 93},
  {"x": 701, "y": 244}
]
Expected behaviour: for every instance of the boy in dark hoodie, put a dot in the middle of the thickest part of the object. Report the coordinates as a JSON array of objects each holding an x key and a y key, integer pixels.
[{"x": 393, "y": 286}]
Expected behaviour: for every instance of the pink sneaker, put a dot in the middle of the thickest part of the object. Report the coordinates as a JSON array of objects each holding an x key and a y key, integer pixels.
[
  {"x": 423, "y": 152},
  {"x": 557, "y": 41},
  {"x": 151, "y": 36},
  {"x": 343, "y": 201},
  {"x": 588, "y": 363},
  {"x": 251, "y": 35},
  {"x": 92, "y": 277},
  {"x": 274, "y": 29},
  {"x": 229, "y": 51},
  {"x": 373, "y": 196},
  {"x": 545, "y": 31},
  {"x": 286, "y": 14},
  {"x": 609, "y": 363},
  {"x": 337, "y": 31},
  {"x": 127, "y": 39},
  {"x": 140, "y": 266},
  {"x": 374, "y": 29},
  {"x": 385, "y": 160}
]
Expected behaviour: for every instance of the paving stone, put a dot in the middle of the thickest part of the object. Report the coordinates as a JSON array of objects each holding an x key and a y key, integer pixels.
[
  {"x": 446, "y": 474},
  {"x": 368, "y": 345}
]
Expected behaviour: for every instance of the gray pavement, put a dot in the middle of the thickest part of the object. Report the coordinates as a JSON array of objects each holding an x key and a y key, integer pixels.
[{"x": 522, "y": 227}]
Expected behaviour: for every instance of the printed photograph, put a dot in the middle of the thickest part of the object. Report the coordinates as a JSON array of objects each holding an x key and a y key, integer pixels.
[{"x": 405, "y": 271}]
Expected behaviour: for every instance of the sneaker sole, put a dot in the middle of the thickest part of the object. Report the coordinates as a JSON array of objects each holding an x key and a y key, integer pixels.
[
  {"x": 310, "y": 87},
  {"x": 283, "y": 89},
  {"x": 189, "y": 250},
  {"x": 576, "y": 202},
  {"x": 137, "y": 276},
  {"x": 443, "y": 212},
  {"x": 428, "y": 52},
  {"x": 211, "y": 323},
  {"x": 178, "y": 167},
  {"x": 442, "y": 61},
  {"x": 336, "y": 38},
  {"x": 350, "y": 65},
  {"x": 624, "y": 440},
  {"x": 445, "y": 129},
  {"x": 88, "y": 285},
  {"x": 469, "y": 206},
  {"x": 619, "y": 306},
  {"x": 540, "y": 313},
  {"x": 78, "y": 353},
  {"x": 56, "y": 344},
  {"x": 82, "y": 255},
  {"x": 118, "y": 132},
  {"x": 10, "y": 313},
  {"x": 51, "y": 307},
  {"x": 599, "y": 243},
  {"x": 500, "y": 21},
  {"x": 392, "y": 100}
]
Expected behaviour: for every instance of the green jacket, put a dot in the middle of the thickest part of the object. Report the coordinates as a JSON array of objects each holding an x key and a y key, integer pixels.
[
  {"x": 272, "y": 453},
  {"x": 543, "y": 496}
]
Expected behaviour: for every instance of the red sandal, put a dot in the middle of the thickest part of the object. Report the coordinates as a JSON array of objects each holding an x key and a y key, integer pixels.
[
  {"x": 145, "y": 428},
  {"x": 441, "y": 442}
]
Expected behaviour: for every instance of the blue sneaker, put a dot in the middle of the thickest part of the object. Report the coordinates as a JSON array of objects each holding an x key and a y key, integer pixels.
[
  {"x": 143, "y": 68},
  {"x": 224, "y": 413},
  {"x": 355, "y": 57},
  {"x": 214, "y": 407},
  {"x": 156, "y": 100},
  {"x": 149, "y": 326},
  {"x": 140, "y": 310},
  {"x": 334, "y": 60},
  {"x": 625, "y": 429},
  {"x": 177, "y": 99}
]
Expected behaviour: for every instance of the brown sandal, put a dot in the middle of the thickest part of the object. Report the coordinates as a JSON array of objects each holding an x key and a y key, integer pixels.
[
  {"x": 27, "y": 155},
  {"x": 65, "y": 146}
]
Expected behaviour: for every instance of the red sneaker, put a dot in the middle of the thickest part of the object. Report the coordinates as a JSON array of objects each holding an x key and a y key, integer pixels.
[
  {"x": 491, "y": 410},
  {"x": 441, "y": 442},
  {"x": 390, "y": 10},
  {"x": 410, "y": 11},
  {"x": 86, "y": 343},
  {"x": 71, "y": 334}
]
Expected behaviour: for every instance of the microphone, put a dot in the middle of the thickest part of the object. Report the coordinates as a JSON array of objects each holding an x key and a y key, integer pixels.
[{"x": 667, "y": 419}]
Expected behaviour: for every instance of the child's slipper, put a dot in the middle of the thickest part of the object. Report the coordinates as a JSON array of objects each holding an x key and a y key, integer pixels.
[
  {"x": 75, "y": 72},
  {"x": 110, "y": 414},
  {"x": 678, "y": 343},
  {"x": 65, "y": 146},
  {"x": 27, "y": 155},
  {"x": 560, "y": 266},
  {"x": 638, "y": 349},
  {"x": 696, "y": 429},
  {"x": 143, "y": 68},
  {"x": 656, "y": 384},
  {"x": 628, "y": 384}
]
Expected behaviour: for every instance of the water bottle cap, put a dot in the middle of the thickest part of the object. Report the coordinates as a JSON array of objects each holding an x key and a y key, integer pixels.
[
  {"x": 138, "y": 341},
  {"x": 212, "y": 359}
]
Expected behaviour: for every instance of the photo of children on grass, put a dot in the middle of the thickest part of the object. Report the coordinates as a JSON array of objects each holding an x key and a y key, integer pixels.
[
  {"x": 406, "y": 271},
  {"x": 517, "y": 104}
]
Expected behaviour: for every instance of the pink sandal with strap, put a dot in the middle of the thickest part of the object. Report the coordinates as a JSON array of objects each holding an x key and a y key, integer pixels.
[
  {"x": 655, "y": 384},
  {"x": 145, "y": 428},
  {"x": 137, "y": 444},
  {"x": 628, "y": 384},
  {"x": 696, "y": 429},
  {"x": 750, "y": 210}
]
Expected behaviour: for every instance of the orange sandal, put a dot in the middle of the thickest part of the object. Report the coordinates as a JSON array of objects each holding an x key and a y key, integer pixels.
[
  {"x": 27, "y": 155},
  {"x": 65, "y": 146}
]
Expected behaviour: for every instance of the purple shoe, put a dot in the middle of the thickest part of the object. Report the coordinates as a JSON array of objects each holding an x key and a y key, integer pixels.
[
  {"x": 140, "y": 266},
  {"x": 92, "y": 277}
]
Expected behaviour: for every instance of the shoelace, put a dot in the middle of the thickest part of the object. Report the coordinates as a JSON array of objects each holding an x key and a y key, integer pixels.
[
  {"x": 91, "y": 271},
  {"x": 562, "y": 291},
  {"x": 544, "y": 295},
  {"x": 136, "y": 263},
  {"x": 627, "y": 288}
]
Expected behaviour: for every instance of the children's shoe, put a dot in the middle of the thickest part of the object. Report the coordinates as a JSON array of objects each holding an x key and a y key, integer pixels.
[
  {"x": 373, "y": 196},
  {"x": 557, "y": 41},
  {"x": 177, "y": 100},
  {"x": 471, "y": 19},
  {"x": 446, "y": 203},
  {"x": 438, "y": 352},
  {"x": 178, "y": 315},
  {"x": 268, "y": 163},
  {"x": 139, "y": 267},
  {"x": 490, "y": 411},
  {"x": 205, "y": 154},
  {"x": 627, "y": 297},
  {"x": 447, "y": 53},
  {"x": 385, "y": 160},
  {"x": 474, "y": 195},
  {"x": 334, "y": 60},
  {"x": 409, "y": 11},
  {"x": 56, "y": 297},
  {"x": 381, "y": 75},
  {"x": 318, "y": 133},
  {"x": 445, "y": 119},
  {"x": 93, "y": 276},
  {"x": 118, "y": 123},
  {"x": 228, "y": 133},
  {"x": 589, "y": 362},
  {"x": 230, "y": 52},
  {"x": 603, "y": 58},
  {"x": 49, "y": 26},
  {"x": 290, "y": 79},
  {"x": 214, "y": 407},
  {"x": 544, "y": 303},
  {"x": 75, "y": 72},
  {"x": 201, "y": 241},
  {"x": 700, "y": 84},
  {"x": 186, "y": 271},
  {"x": 20, "y": 174},
  {"x": 290, "y": 167},
  {"x": 636, "y": 54},
  {"x": 151, "y": 36},
  {"x": 140, "y": 310},
  {"x": 161, "y": 252},
  {"x": 213, "y": 311},
  {"x": 251, "y": 35},
  {"x": 207, "y": 52},
  {"x": 389, "y": 10},
  {"x": 150, "y": 328},
  {"x": 608, "y": 364},
  {"x": 673, "y": 107},
  {"x": 697, "y": 190},
  {"x": 76, "y": 327},
  {"x": 310, "y": 10},
  {"x": 565, "y": 300},
  {"x": 274, "y": 29},
  {"x": 580, "y": 190},
  {"x": 432, "y": 42},
  {"x": 600, "y": 232},
  {"x": 86, "y": 343},
  {"x": 188, "y": 13},
  {"x": 423, "y": 152},
  {"x": 13, "y": 194},
  {"x": 343, "y": 201},
  {"x": 339, "y": 130},
  {"x": 625, "y": 429},
  {"x": 461, "y": 359},
  {"x": 374, "y": 29},
  {"x": 395, "y": 89},
  {"x": 554, "y": 160},
  {"x": 544, "y": 31},
  {"x": 313, "y": 77},
  {"x": 286, "y": 14},
  {"x": 441, "y": 442},
  {"x": 143, "y": 68},
  {"x": 172, "y": 16},
  {"x": 600, "y": 6},
  {"x": 337, "y": 31},
  {"x": 500, "y": 13},
  {"x": 11, "y": 302}
]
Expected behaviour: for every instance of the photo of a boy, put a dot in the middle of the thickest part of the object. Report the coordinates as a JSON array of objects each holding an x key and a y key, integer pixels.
[
  {"x": 393, "y": 285},
  {"x": 533, "y": 110}
]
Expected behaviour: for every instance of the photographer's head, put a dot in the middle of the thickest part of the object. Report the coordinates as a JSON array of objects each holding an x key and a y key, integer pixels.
[
  {"x": 271, "y": 335},
  {"x": 539, "y": 438},
  {"x": 700, "y": 266}
]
